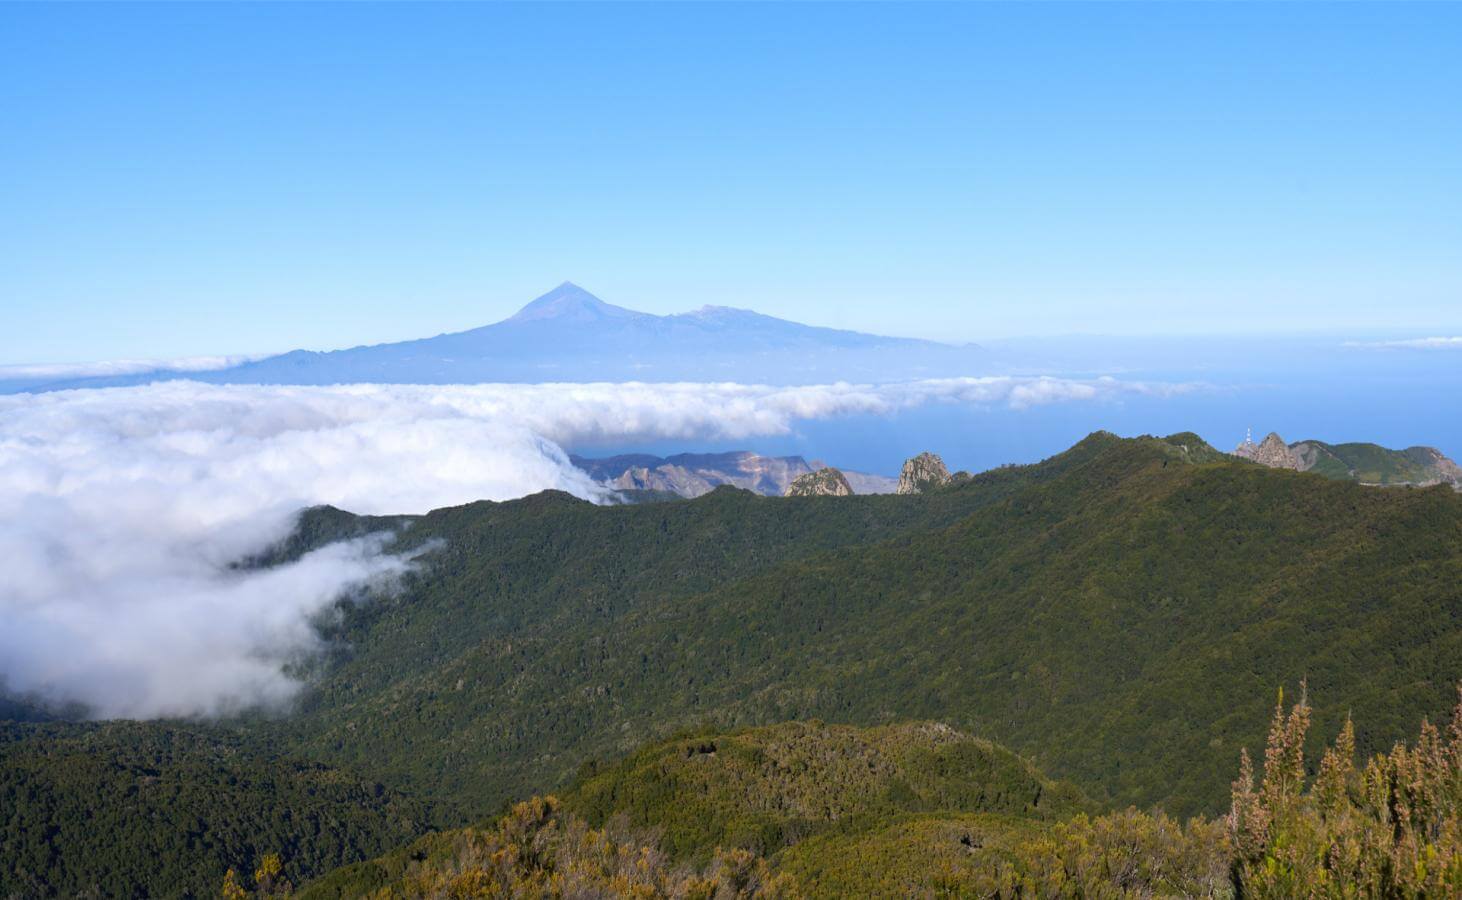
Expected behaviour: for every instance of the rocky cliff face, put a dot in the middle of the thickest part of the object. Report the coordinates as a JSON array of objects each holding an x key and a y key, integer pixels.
[
  {"x": 1447, "y": 470},
  {"x": 827, "y": 482},
  {"x": 1272, "y": 452},
  {"x": 921, "y": 473}
]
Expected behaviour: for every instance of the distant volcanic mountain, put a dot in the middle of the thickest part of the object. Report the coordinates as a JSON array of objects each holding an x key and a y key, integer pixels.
[{"x": 569, "y": 334}]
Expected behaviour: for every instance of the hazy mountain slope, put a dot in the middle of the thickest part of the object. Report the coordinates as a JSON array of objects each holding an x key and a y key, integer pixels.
[
  {"x": 1118, "y": 612},
  {"x": 693, "y": 474},
  {"x": 569, "y": 334},
  {"x": 865, "y": 482},
  {"x": 128, "y": 809}
]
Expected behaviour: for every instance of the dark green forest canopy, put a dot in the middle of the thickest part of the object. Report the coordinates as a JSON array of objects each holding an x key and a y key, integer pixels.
[{"x": 152, "y": 809}]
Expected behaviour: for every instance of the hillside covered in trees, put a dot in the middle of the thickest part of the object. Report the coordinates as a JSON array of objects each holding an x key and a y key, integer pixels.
[
  {"x": 136, "y": 809},
  {"x": 1117, "y": 616}
]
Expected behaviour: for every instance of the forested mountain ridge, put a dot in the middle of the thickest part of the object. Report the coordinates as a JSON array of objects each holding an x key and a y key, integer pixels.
[
  {"x": 1067, "y": 609},
  {"x": 514, "y": 585}
]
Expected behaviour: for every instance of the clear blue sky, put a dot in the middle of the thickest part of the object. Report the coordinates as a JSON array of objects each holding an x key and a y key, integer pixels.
[{"x": 186, "y": 179}]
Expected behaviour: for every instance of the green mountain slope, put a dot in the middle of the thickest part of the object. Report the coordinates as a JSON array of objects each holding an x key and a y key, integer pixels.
[
  {"x": 134, "y": 809},
  {"x": 1116, "y": 613},
  {"x": 1374, "y": 464}
]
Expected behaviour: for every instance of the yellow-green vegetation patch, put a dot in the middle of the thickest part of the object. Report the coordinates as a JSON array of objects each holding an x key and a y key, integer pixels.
[
  {"x": 535, "y": 850},
  {"x": 766, "y": 788},
  {"x": 910, "y": 855}
]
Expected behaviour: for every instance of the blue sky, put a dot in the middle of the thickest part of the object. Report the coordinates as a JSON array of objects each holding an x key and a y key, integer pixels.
[{"x": 188, "y": 179}]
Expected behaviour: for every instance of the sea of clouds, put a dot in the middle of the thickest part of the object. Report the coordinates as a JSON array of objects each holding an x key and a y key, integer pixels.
[{"x": 122, "y": 509}]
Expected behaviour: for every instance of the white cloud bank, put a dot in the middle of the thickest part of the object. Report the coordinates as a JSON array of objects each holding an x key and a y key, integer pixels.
[{"x": 121, "y": 509}]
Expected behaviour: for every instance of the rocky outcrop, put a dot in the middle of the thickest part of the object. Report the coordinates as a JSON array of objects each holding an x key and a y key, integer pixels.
[
  {"x": 921, "y": 473},
  {"x": 828, "y": 482},
  {"x": 1272, "y": 452}
]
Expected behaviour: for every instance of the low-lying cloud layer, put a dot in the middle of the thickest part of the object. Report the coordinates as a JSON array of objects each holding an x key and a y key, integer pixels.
[
  {"x": 59, "y": 371},
  {"x": 1426, "y": 343},
  {"x": 121, "y": 509}
]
